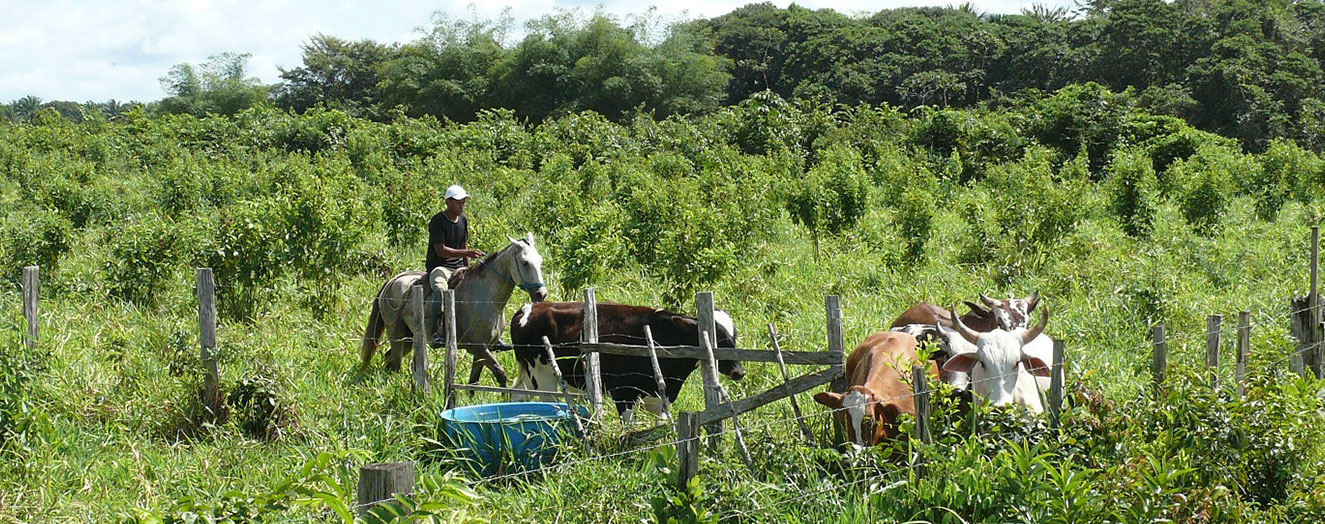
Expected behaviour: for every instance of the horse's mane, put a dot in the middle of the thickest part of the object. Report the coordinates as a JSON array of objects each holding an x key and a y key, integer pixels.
[{"x": 491, "y": 257}]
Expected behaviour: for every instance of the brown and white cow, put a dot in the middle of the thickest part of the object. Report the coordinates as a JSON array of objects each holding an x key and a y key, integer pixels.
[
  {"x": 1012, "y": 313},
  {"x": 878, "y": 388},
  {"x": 926, "y": 322},
  {"x": 626, "y": 379}
]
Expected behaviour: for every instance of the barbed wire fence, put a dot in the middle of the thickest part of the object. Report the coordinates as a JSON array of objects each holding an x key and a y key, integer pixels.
[{"x": 1309, "y": 338}]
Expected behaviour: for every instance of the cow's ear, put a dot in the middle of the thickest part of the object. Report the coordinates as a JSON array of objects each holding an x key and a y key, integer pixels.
[
  {"x": 828, "y": 398},
  {"x": 1037, "y": 367},
  {"x": 978, "y": 309},
  {"x": 961, "y": 363}
]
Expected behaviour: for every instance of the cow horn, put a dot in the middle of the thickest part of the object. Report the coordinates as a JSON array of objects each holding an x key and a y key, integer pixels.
[
  {"x": 966, "y": 332},
  {"x": 1032, "y": 301},
  {"x": 1028, "y": 336},
  {"x": 988, "y": 301}
]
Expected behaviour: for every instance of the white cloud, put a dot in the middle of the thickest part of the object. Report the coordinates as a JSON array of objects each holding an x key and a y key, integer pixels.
[{"x": 118, "y": 49}]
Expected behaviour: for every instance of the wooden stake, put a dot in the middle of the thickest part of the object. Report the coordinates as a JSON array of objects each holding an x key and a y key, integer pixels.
[
  {"x": 657, "y": 372},
  {"x": 1313, "y": 302},
  {"x": 724, "y": 397},
  {"x": 786, "y": 377},
  {"x": 452, "y": 346},
  {"x": 561, "y": 383},
  {"x": 1056, "y": 383},
  {"x": 687, "y": 447},
  {"x": 31, "y": 288},
  {"x": 1159, "y": 365},
  {"x": 708, "y": 337},
  {"x": 380, "y": 483},
  {"x": 593, "y": 372},
  {"x": 419, "y": 364},
  {"x": 207, "y": 340},
  {"x": 1244, "y": 351},
  {"x": 836, "y": 346},
  {"x": 1213, "y": 326},
  {"x": 920, "y": 383}
]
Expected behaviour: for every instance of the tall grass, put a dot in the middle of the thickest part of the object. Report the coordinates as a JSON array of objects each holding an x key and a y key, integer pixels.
[{"x": 102, "y": 423}]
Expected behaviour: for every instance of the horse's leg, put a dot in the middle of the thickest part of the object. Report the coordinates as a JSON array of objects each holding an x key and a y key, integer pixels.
[
  {"x": 475, "y": 371},
  {"x": 394, "y": 355},
  {"x": 489, "y": 360}
]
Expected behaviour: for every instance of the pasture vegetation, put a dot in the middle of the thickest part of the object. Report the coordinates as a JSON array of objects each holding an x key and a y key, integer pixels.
[{"x": 1119, "y": 218}]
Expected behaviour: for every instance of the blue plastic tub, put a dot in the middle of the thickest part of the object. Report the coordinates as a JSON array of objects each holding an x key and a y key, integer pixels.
[{"x": 520, "y": 434}]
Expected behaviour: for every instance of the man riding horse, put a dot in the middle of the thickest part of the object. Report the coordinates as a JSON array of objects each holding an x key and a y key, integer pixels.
[{"x": 448, "y": 251}]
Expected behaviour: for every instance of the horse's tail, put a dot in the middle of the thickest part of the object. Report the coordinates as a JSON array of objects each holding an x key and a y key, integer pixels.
[{"x": 372, "y": 334}]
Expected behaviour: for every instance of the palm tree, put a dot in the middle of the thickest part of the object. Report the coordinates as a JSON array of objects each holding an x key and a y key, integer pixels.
[{"x": 23, "y": 108}]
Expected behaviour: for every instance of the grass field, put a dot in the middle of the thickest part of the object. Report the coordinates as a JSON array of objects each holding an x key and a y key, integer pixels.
[{"x": 103, "y": 423}]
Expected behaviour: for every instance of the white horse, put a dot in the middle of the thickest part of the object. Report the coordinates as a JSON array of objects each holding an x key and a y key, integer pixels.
[{"x": 480, "y": 298}]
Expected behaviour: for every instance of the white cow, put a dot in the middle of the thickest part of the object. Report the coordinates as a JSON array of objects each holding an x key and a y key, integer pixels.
[{"x": 1006, "y": 367}]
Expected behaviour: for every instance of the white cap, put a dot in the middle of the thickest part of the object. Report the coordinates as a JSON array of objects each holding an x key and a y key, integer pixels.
[{"x": 456, "y": 192}]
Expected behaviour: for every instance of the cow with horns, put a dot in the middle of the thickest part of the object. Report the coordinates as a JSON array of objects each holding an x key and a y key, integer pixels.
[
  {"x": 626, "y": 379},
  {"x": 1005, "y": 366},
  {"x": 928, "y": 322}
]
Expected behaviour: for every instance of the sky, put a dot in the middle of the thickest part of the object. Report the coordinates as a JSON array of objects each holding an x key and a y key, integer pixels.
[{"x": 99, "y": 50}]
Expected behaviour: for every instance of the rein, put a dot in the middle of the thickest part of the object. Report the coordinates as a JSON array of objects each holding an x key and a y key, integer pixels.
[{"x": 527, "y": 287}]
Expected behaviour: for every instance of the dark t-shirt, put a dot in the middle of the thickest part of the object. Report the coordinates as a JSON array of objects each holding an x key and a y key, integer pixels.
[{"x": 454, "y": 235}]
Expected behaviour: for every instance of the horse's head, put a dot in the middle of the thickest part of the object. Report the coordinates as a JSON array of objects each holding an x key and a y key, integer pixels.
[{"x": 525, "y": 266}]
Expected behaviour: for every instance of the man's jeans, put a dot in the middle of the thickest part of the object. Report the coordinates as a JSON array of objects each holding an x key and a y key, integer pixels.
[{"x": 437, "y": 279}]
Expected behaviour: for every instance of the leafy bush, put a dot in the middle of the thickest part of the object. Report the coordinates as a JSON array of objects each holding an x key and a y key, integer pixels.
[
  {"x": 832, "y": 197},
  {"x": 257, "y": 405},
  {"x": 1133, "y": 191},
  {"x": 34, "y": 237},
  {"x": 144, "y": 255}
]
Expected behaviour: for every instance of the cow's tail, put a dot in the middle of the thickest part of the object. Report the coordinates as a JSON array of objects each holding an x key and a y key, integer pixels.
[{"x": 372, "y": 334}]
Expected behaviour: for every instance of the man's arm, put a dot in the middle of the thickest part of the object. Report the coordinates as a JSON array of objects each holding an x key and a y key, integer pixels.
[{"x": 446, "y": 252}]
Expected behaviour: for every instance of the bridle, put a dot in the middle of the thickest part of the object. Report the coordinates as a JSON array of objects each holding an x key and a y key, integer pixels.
[{"x": 528, "y": 286}]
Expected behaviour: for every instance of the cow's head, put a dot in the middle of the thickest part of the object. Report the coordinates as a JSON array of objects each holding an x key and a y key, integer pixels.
[
  {"x": 867, "y": 419},
  {"x": 525, "y": 268},
  {"x": 1013, "y": 313},
  {"x": 1001, "y": 352},
  {"x": 727, "y": 339}
]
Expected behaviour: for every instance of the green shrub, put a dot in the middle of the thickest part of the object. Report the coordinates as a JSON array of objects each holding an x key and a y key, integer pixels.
[
  {"x": 1133, "y": 191},
  {"x": 33, "y": 237},
  {"x": 143, "y": 256},
  {"x": 832, "y": 197}
]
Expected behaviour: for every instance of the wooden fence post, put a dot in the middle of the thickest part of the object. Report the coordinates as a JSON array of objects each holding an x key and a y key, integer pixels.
[
  {"x": 31, "y": 289},
  {"x": 561, "y": 384},
  {"x": 380, "y": 483},
  {"x": 657, "y": 371},
  {"x": 1059, "y": 374},
  {"x": 1159, "y": 364},
  {"x": 1213, "y": 327},
  {"x": 920, "y": 385},
  {"x": 1303, "y": 359},
  {"x": 207, "y": 340},
  {"x": 1313, "y": 303},
  {"x": 708, "y": 334},
  {"x": 593, "y": 371},
  {"x": 687, "y": 447},
  {"x": 1244, "y": 351},
  {"x": 421, "y": 335},
  {"x": 724, "y": 397},
  {"x": 837, "y": 346},
  {"x": 921, "y": 392},
  {"x": 786, "y": 377},
  {"x": 452, "y": 346}
]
